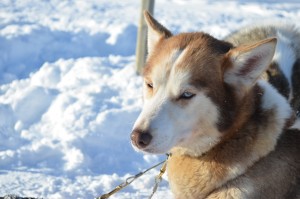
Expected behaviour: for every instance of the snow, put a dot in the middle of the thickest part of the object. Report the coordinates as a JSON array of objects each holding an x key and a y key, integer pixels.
[{"x": 69, "y": 94}]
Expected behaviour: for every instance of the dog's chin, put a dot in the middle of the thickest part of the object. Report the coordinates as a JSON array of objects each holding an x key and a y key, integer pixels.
[{"x": 151, "y": 150}]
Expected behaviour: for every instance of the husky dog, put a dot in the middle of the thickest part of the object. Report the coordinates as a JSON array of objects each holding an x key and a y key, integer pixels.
[{"x": 225, "y": 110}]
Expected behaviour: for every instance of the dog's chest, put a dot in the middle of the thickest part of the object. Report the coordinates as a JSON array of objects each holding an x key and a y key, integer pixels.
[{"x": 192, "y": 177}]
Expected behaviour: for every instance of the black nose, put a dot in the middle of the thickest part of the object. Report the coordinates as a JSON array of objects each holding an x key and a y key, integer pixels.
[{"x": 140, "y": 139}]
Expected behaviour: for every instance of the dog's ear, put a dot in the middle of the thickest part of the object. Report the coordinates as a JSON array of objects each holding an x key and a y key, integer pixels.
[
  {"x": 156, "y": 31},
  {"x": 244, "y": 64}
]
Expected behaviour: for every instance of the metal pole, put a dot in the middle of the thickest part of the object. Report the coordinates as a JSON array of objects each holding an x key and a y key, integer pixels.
[{"x": 141, "y": 46}]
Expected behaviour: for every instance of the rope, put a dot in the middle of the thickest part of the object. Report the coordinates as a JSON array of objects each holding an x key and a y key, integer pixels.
[
  {"x": 158, "y": 178},
  {"x": 130, "y": 179}
]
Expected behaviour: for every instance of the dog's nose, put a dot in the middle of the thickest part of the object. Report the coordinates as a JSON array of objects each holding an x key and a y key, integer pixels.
[{"x": 140, "y": 139}]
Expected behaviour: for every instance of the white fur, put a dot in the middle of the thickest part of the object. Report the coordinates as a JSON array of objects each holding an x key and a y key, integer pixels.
[
  {"x": 178, "y": 80},
  {"x": 172, "y": 125},
  {"x": 285, "y": 57},
  {"x": 169, "y": 123},
  {"x": 159, "y": 75},
  {"x": 202, "y": 134},
  {"x": 272, "y": 98}
]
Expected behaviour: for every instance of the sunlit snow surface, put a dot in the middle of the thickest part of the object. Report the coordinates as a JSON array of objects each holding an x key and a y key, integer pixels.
[{"x": 69, "y": 94}]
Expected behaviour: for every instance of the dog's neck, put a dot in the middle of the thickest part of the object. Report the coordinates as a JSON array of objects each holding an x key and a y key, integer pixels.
[{"x": 252, "y": 137}]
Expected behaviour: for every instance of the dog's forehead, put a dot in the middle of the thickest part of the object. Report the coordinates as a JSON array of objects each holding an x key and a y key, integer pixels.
[
  {"x": 168, "y": 66},
  {"x": 182, "y": 55}
]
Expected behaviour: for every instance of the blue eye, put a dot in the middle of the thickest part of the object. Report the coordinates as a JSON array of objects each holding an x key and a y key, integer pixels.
[{"x": 186, "y": 95}]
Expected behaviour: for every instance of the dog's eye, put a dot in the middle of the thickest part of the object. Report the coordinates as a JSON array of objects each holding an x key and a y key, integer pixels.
[{"x": 186, "y": 95}]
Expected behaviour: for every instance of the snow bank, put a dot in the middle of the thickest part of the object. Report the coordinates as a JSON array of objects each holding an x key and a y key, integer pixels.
[
  {"x": 32, "y": 33},
  {"x": 69, "y": 116}
]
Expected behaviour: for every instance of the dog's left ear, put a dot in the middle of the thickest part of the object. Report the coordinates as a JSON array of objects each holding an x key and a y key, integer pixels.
[
  {"x": 156, "y": 31},
  {"x": 244, "y": 64}
]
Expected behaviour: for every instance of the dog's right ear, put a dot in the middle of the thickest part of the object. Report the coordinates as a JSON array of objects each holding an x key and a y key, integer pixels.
[{"x": 156, "y": 31}]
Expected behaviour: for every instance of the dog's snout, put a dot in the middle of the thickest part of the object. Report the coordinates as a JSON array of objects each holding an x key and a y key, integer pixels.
[{"x": 141, "y": 139}]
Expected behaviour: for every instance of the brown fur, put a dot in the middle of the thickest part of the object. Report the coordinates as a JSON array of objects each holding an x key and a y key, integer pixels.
[
  {"x": 276, "y": 78},
  {"x": 269, "y": 172}
]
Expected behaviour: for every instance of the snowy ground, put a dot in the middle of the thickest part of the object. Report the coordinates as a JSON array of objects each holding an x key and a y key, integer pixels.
[{"x": 69, "y": 94}]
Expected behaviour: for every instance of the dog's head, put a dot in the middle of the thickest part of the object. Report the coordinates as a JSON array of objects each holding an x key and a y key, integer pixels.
[{"x": 192, "y": 83}]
